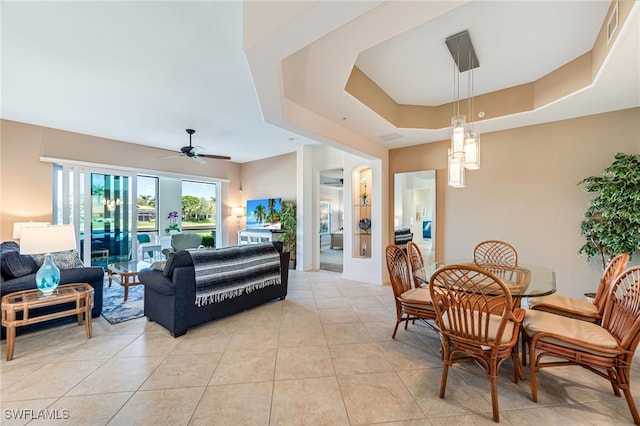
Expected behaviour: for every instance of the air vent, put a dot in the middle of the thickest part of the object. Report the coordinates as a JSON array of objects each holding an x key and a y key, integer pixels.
[{"x": 390, "y": 137}]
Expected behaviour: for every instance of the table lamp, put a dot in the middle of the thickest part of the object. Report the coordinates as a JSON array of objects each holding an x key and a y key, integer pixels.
[
  {"x": 17, "y": 227},
  {"x": 47, "y": 240}
]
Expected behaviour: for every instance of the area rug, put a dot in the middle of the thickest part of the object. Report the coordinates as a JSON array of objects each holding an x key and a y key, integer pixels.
[{"x": 115, "y": 310}]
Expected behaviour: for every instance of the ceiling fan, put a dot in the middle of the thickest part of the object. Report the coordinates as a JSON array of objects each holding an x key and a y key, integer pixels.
[{"x": 195, "y": 152}]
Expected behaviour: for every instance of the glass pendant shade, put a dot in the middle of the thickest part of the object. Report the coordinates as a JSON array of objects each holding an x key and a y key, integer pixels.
[
  {"x": 457, "y": 136},
  {"x": 456, "y": 171},
  {"x": 472, "y": 150}
]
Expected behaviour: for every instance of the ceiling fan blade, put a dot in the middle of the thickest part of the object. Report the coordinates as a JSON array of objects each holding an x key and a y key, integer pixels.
[
  {"x": 217, "y": 157},
  {"x": 198, "y": 159},
  {"x": 172, "y": 156}
]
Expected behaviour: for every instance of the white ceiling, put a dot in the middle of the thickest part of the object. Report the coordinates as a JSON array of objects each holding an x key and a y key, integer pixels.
[
  {"x": 515, "y": 42},
  {"x": 143, "y": 72},
  {"x": 139, "y": 72}
]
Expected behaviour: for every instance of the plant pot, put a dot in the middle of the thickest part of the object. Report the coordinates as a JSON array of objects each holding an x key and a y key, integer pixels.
[{"x": 292, "y": 264}]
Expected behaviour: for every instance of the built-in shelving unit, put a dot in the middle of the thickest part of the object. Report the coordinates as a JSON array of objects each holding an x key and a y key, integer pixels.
[{"x": 362, "y": 213}]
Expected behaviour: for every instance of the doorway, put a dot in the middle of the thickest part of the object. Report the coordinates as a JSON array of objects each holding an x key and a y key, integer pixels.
[{"x": 331, "y": 215}]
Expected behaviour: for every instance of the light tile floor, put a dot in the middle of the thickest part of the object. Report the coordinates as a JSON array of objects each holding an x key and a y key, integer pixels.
[{"x": 324, "y": 356}]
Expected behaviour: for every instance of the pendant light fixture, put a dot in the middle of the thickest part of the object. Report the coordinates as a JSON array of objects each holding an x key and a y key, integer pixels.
[
  {"x": 471, "y": 136},
  {"x": 464, "y": 153}
]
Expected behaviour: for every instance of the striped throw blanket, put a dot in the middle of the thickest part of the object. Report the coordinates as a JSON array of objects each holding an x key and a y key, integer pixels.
[{"x": 230, "y": 271}]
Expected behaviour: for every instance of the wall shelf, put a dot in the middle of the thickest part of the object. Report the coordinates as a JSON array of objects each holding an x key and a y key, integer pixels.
[{"x": 362, "y": 213}]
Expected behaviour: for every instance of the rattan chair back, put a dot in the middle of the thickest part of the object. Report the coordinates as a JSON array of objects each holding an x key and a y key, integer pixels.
[
  {"x": 495, "y": 252},
  {"x": 411, "y": 303},
  {"x": 477, "y": 321},
  {"x": 399, "y": 271},
  {"x": 622, "y": 310},
  {"x": 578, "y": 346},
  {"x": 611, "y": 272},
  {"x": 415, "y": 259}
]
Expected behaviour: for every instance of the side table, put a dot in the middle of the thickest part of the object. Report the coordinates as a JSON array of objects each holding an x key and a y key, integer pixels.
[
  {"x": 24, "y": 301},
  {"x": 126, "y": 273}
]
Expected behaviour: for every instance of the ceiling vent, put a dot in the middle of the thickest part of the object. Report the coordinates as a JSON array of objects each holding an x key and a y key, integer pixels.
[{"x": 390, "y": 137}]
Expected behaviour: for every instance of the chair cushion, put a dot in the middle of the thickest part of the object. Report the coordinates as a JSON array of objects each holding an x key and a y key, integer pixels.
[
  {"x": 417, "y": 298},
  {"x": 494, "y": 323},
  {"x": 544, "y": 322},
  {"x": 558, "y": 304}
]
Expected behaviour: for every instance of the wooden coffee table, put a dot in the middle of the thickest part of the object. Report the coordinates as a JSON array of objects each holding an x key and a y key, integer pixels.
[
  {"x": 25, "y": 301},
  {"x": 126, "y": 273}
]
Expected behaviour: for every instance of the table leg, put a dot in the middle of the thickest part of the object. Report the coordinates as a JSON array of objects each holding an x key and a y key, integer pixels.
[
  {"x": 11, "y": 334},
  {"x": 125, "y": 283},
  {"x": 87, "y": 316}
]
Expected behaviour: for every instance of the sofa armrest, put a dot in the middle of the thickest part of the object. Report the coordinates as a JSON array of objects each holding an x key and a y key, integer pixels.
[{"x": 156, "y": 281}]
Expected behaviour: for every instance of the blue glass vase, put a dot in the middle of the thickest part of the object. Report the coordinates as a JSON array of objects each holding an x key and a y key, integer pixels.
[{"x": 48, "y": 276}]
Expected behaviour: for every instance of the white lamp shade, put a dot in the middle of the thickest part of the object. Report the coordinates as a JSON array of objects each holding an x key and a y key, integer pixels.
[
  {"x": 47, "y": 239},
  {"x": 457, "y": 135},
  {"x": 472, "y": 150},
  {"x": 17, "y": 227},
  {"x": 456, "y": 171}
]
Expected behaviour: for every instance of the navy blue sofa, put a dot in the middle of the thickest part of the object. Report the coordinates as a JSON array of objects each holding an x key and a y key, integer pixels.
[
  {"x": 18, "y": 272},
  {"x": 170, "y": 294}
]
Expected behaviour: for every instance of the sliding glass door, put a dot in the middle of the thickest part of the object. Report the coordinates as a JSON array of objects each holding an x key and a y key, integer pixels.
[
  {"x": 99, "y": 203},
  {"x": 111, "y": 218}
]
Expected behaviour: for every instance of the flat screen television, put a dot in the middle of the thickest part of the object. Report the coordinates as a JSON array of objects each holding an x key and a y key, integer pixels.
[{"x": 264, "y": 213}]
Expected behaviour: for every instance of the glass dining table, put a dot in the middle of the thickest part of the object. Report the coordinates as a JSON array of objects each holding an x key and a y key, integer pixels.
[{"x": 523, "y": 280}]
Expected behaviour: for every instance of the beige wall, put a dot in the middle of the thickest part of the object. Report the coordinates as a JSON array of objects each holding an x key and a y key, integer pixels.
[
  {"x": 526, "y": 191},
  {"x": 273, "y": 177},
  {"x": 26, "y": 182}
]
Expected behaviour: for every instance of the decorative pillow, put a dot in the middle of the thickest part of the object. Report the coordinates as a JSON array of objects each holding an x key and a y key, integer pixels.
[
  {"x": 15, "y": 265},
  {"x": 159, "y": 265},
  {"x": 62, "y": 259}
]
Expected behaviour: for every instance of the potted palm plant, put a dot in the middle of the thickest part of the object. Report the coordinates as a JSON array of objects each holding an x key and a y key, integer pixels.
[
  {"x": 288, "y": 220},
  {"x": 611, "y": 223}
]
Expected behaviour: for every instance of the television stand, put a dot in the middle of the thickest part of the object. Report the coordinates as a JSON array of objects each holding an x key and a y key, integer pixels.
[{"x": 257, "y": 236}]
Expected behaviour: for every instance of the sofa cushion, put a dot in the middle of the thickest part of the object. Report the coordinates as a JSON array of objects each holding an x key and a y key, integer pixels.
[
  {"x": 15, "y": 265},
  {"x": 62, "y": 259},
  {"x": 176, "y": 260}
]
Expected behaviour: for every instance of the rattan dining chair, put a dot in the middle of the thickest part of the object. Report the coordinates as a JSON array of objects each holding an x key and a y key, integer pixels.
[
  {"x": 581, "y": 308},
  {"x": 495, "y": 252},
  {"x": 606, "y": 350},
  {"x": 477, "y": 322},
  {"x": 411, "y": 303},
  {"x": 415, "y": 259}
]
